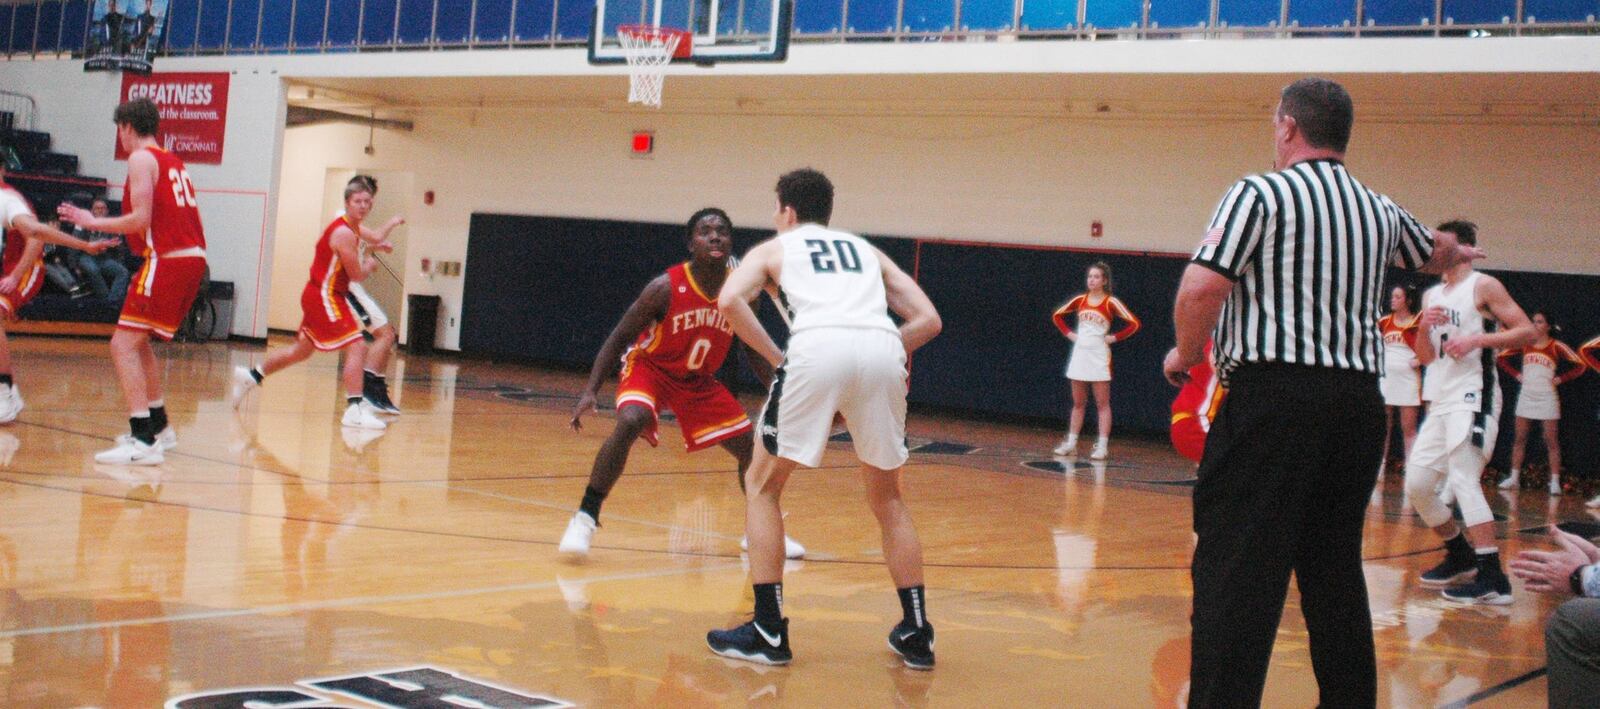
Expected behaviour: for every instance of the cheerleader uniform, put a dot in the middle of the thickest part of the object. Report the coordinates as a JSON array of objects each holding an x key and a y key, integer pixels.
[
  {"x": 1091, "y": 354},
  {"x": 1401, "y": 383},
  {"x": 1541, "y": 369}
]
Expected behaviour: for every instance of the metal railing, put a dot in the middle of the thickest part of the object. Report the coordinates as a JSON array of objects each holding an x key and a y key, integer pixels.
[
  {"x": 23, "y": 109},
  {"x": 61, "y": 27}
]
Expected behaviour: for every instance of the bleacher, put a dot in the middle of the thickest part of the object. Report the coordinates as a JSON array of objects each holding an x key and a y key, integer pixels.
[
  {"x": 47, "y": 179},
  {"x": 49, "y": 27}
]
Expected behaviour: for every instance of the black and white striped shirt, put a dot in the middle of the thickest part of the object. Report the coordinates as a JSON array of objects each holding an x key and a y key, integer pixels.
[{"x": 1306, "y": 248}]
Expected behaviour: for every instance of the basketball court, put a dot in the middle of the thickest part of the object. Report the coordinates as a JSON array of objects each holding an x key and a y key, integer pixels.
[{"x": 274, "y": 551}]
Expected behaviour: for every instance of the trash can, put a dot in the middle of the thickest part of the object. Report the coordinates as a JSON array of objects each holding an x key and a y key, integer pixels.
[
  {"x": 221, "y": 295},
  {"x": 422, "y": 323}
]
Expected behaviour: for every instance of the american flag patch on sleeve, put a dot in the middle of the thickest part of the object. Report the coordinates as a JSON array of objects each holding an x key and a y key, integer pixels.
[{"x": 1213, "y": 237}]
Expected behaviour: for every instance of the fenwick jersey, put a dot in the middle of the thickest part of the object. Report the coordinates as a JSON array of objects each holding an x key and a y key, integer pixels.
[
  {"x": 174, "y": 214},
  {"x": 692, "y": 339}
]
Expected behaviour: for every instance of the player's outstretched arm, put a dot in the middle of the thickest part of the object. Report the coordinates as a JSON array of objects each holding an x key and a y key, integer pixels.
[
  {"x": 135, "y": 219},
  {"x": 755, "y": 270},
  {"x": 906, "y": 299},
  {"x": 649, "y": 307},
  {"x": 36, "y": 230}
]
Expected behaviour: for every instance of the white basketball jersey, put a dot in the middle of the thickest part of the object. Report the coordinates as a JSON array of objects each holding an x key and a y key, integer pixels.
[
  {"x": 1469, "y": 383},
  {"x": 831, "y": 279}
]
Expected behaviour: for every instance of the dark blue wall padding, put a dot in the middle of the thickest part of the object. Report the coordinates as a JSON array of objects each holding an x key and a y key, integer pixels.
[
  {"x": 416, "y": 22},
  {"x": 22, "y": 26},
  {"x": 6, "y": 12},
  {"x": 871, "y": 16},
  {"x": 534, "y": 20},
  {"x": 929, "y": 15},
  {"x": 310, "y": 17},
  {"x": 243, "y": 24},
  {"x": 49, "y": 37},
  {"x": 1049, "y": 14},
  {"x": 1397, "y": 13},
  {"x": 573, "y": 19},
  {"x": 454, "y": 23},
  {"x": 1249, "y": 13},
  {"x": 74, "y": 25},
  {"x": 213, "y": 32},
  {"x": 181, "y": 18},
  {"x": 277, "y": 21},
  {"x": 987, "y": 14},
  {"x": 1322, "y": 13}
]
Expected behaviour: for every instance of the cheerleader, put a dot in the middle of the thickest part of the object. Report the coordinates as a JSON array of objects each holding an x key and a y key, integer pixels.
[
  {"x": 1090, "y": 365},
  {"x": 1590, "y": 352},
  {"x": 1541, "y": 367},
  {"x": 1401, "y": 382}
]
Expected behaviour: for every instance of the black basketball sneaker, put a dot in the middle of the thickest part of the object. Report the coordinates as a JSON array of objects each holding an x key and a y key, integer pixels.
[
  {"x": 753, "y": 642},
  {"x": 913, "y": 645}
]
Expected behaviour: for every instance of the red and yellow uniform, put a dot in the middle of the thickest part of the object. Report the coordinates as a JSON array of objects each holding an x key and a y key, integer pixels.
[
  {"x": 13, "y": 205},
  {"x": 325, "y": 315},
  {"x": 174, "y": 251},
  {"x": 1555, "y": 362},
  {"x": 1590, "y": 352},
  {"x": 1091, "y": 353},
  {"x": 673, "y": 366},
  {"x": 1195, "y": 408},
  {"x": 1398, "y": 333},
  {"x": 1401, "y": 383}
]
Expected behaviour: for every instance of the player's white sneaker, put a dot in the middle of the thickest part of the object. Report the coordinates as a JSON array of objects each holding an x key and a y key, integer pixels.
[
  {"x": 1593, "y": 503},
  {"x": 1512, "y": 481},
  {"x": 1099, "y": 451},
  {"x": 166, "y": 440},
  {"x": 243, "y": 382},
  {"x": 10, "y": 403},
  {"x": 361, "y": 416},
  {"x": 580, "y": 530},
  {"x": 791, "y": 548},
  {"x": 131, "y": 451},
  {"x": 1069, "y": 446}
]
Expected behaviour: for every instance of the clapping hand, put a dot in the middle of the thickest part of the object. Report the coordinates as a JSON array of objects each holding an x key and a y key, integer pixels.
[{"x": 1549, "y": 571}]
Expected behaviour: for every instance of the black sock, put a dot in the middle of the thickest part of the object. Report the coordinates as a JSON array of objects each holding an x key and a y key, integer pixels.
[
  {"x": 1489, "y": 562},
  {"x": 1459, "y": 548},
  {"x": 142, "y": 430},
  {"x": 592, "y": 499},
  {"x": 158, "y": 418},
  {"x": 353, "y": 400},
  {"x": 255, "y": 373},
  {"x": 769, "y": 604},
  {"x": 6, "y": 379},
  {"x": 914, "y": 606}
]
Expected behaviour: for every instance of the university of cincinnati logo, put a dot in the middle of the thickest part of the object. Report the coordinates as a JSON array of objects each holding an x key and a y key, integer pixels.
[{"x": 410, "y": 688}]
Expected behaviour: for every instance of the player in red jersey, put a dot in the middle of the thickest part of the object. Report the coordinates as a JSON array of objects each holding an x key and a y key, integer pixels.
[
  {"x": 328, "y": 322},
  {"x": 1195, "y": 408},
  {"x": 679, "y": 339},
  {"x": 163, "y": 219},
  {"x": 25, "y": 237}
]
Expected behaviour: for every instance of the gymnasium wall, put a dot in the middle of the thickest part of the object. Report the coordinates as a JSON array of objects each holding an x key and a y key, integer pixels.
[
  {"x": 235, "y": 196},
  {"x": 1013, "y": 180},
  {"x": 998, "y": 354}
]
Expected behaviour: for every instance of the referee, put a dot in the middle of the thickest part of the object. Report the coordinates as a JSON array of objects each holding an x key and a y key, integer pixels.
[{"x": 1287, "y": 281}]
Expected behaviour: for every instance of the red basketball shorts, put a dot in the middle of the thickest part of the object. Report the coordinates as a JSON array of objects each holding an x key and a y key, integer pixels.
[
  {"x": 160, "y": 294},
  {"x": 27, "y": 287},
  {"x": 327, "y": 319},
  {"x": 706, "y": 411}
]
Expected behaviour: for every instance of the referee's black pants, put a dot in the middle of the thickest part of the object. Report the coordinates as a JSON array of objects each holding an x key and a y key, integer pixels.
[{"x": 1284, "y": 483}]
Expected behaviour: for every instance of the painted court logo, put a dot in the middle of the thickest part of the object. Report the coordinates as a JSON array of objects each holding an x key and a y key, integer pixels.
[{"x": 409, "y": 688}]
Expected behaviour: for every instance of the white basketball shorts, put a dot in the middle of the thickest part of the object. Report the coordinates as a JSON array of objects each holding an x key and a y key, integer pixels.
[{"x": 857, "y": 372}]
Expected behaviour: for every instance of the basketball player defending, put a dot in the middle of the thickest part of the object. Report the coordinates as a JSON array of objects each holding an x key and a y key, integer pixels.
[
  {"x": 160, "y": 212},
  {"x": 328, "y": 323},
  {"x": 382, "y": 335},
  {"x": 25, "y": 237},
  {"x": 845, "y": 356},
  {"x": 679, "y": 342},
  {"x": 1456, "y": 341}
]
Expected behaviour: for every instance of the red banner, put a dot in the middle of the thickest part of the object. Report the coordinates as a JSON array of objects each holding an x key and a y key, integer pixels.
[{"x": 194, "y": 112}]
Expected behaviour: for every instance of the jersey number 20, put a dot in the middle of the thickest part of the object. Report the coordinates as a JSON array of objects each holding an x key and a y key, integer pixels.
[
  {"x": 182, "y": 188},
  {"x": 832, "y": 258}
]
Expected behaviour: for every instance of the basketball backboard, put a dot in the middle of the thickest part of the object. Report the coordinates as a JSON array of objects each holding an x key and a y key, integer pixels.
[{"x": 723, "y": 30}]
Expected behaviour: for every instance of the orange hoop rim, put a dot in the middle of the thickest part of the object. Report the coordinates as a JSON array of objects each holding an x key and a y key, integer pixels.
[{"x": 684, "y": 48}]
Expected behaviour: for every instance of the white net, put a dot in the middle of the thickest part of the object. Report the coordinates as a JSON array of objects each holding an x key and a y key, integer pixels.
[{"x": 648, "y": 50}]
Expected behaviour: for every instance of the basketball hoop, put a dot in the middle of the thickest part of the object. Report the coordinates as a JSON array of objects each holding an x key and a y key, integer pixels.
[{"x": 648, "y": 49}]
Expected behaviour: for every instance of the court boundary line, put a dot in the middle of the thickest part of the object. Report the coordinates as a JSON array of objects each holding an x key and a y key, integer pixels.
[
  {"x": 1507, "y": 685},
  {"x": 354, "y": 601}
]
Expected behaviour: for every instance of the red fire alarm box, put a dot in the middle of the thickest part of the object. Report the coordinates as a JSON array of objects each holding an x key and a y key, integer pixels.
[
  {"x": 1096, "y": 230},
  {"x": 644, "y": 143}
]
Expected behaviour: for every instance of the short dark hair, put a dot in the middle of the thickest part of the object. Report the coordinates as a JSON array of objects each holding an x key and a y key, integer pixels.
[
  {"x": 354, "y": 187},
  {"x": 1323, "y": 111},
  {"x": 368, "y": 181},
  {"x": 1466, "y": 232},
  {"x": 704, "y": 212},
  {"x": 140, "y": 114},
  {"x": 809, "y": 193}
]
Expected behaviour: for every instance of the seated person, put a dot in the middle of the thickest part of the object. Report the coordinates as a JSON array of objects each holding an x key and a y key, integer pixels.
[{"x": 103, "y": 273}]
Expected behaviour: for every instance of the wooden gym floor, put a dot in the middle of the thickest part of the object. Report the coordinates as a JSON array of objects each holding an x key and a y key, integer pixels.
[{"x": 272, "y": 550}]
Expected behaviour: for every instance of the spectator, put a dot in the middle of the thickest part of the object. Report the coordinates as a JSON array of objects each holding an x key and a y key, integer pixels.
[
  {"x": 103, "y": 273},
  {"x": 1572, "y": 636},
  {"x": 58, "y": 270}
]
